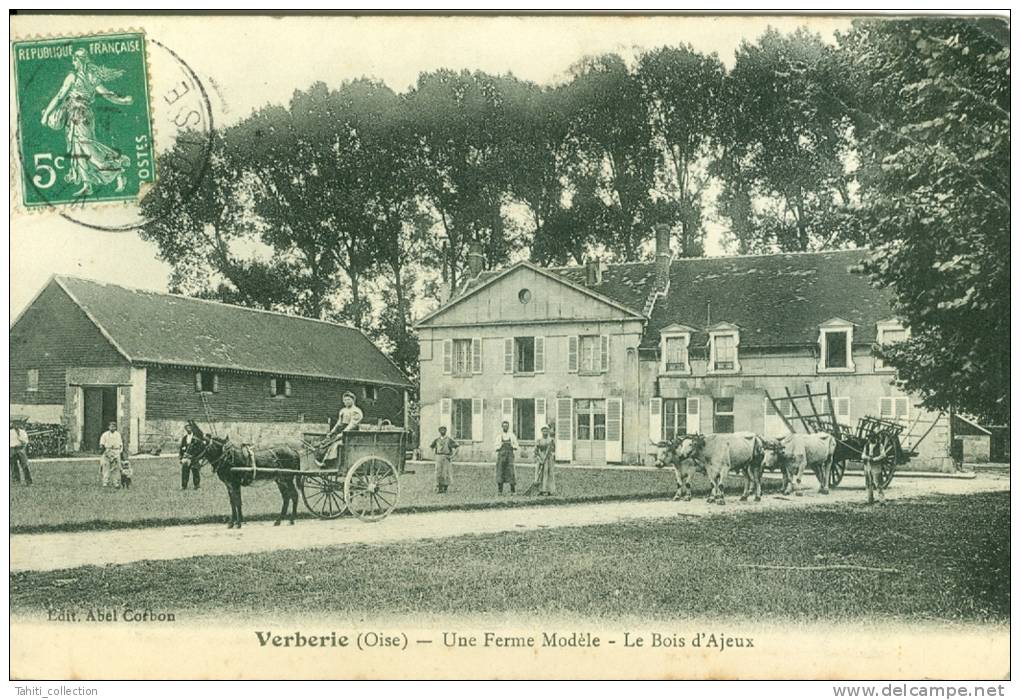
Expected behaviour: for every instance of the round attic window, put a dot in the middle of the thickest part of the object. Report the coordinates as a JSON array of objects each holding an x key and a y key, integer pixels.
[{"x": 524, "y": 295}]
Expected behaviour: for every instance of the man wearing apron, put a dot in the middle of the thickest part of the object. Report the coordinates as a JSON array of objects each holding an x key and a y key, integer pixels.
[{"x": 506, "y": 445}]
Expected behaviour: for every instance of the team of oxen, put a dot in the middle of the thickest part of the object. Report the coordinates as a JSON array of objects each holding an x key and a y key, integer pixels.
[{"x": 718, "y": 454}]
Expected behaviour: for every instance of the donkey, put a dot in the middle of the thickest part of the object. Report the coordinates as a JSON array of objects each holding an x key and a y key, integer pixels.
[{"x": 224, "y": 457}]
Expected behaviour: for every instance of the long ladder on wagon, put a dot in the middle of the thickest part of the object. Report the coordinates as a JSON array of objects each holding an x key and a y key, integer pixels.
[{"x": 815, "y": 424}]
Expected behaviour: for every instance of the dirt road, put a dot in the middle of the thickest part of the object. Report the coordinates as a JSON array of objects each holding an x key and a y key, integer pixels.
[{"x": 48, "y": 552}]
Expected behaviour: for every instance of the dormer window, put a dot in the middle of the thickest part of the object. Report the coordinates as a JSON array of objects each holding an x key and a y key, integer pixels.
[
  {"x": 723, "y": 352},
  {"x": 673, "y": 349},
  {"x": 835, "y": 340},
  {"x": 890, "y": 332}
]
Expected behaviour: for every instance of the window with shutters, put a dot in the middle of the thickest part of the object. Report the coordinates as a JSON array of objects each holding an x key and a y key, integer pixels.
[
  {"x": 370, "y": 393},
  {"x": 592, "y": 354},
  {"x": 524, "y": 419},
  {"x": 674, "y": 418},
  {"x": 841, "y": 404},
  {"x": 461, "y": 419},
  {"x": 462, "y": 357},
  {"x": 207, "y": 382},
  {"x": 675, "y": 353},
  {"x": 725, "y": 347},
  {"x": 723, "y": 419},
  {"x": 524, "y": 355},
  {"x": 894, "y": 407},
  {"x": 279, "y": 387},
  {"x": 33, "y": 380}
]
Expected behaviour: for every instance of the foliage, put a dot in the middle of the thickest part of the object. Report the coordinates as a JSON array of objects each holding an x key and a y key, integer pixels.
[{"x": 931, "y": 105}]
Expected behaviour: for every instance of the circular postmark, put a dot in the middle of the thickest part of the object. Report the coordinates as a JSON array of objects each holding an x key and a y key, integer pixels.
[{"x": 88, "y": 150}]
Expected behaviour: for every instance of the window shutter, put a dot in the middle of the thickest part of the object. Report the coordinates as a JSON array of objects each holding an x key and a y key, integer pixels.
[
  {"x": 508, "y": 355},
  {"x": 902, "y": 407},
  {"x": 539, "y": 354},
  {"x": 445, "y": 409},
  {"x": 693, "y": 416},
  {"x": 447, "y": 356},
  {"x": 476, "y": 356},
  {"x": 655, "y": 420},
  {"x": 539, "y": 417},
  {"x": 564, "y": 424},
  {"x": 572, "y": 354},
  {"x": 198, "y": 381},
  {"x": 843, "y": 407},
  {"x": 272, "y": 387},
  {"x": 604, "y": 353},
  {"x": 477, "y": 422},
  {"x": 286, "y": 387},
  {"x": 215, "y": 383},
  {"x": 614, "y": 430},
  {"x": 885, "y": 407},
  {"x": 507, "y": 412}
]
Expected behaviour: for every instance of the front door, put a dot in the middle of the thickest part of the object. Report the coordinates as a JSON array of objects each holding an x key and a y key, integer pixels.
[{"x": 590, "y": 431}]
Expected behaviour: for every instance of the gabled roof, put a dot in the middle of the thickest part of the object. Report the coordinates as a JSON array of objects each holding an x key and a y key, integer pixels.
[
  {"x": 168, "y": 329},
  {"x": 616, "y": 293}
]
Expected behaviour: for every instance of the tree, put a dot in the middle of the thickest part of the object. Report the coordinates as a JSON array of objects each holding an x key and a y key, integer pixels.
[
  {"x": 683, "y": 89},
  {"x": 930, "y": 101},
  {"x": 786, "y": 142},
  {"x": 612, "y": 165}
]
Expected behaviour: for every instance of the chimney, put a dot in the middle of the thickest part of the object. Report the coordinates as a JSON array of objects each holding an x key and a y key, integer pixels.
[
  {"x": 663, "y": 255},
  {"x": 476, "y": 259},
  {"x": 593, "y": 272}
]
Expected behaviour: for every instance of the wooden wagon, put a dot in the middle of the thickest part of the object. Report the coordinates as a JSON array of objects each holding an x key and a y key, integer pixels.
[
  {"x": 850, "y": 441},
  {"x": 364, "y": 480}
]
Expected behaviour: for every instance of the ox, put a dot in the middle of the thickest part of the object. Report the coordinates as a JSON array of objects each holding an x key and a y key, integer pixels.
[
  {"x": 666, "y": 456},
  {"x": 796, "y": 452},
  {"x": 719, "y": 453}
]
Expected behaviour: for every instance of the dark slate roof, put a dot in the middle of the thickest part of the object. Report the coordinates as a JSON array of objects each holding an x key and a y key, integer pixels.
[
  {"x": 774, "y": 299},
  {"x": 167, "y": 329}
]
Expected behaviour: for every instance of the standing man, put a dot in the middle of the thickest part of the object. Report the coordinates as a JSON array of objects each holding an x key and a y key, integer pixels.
[
  {"x": 349, "y": 418},
  {"x": 19, "y": 452},
  {"x": 445, "y": 448},
  {"x": 189, "y": 466},
  {"x": 112, "y": 446},
  {"x": 506, "y": 446}
]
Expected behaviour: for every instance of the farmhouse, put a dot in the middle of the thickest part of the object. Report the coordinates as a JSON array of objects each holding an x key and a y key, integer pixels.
[
  {"x": 84, "y": 353},
  {"x": 616, "y": 356}
]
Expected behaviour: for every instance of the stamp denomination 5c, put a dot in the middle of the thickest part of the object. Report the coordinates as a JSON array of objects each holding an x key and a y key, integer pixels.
[{"x": 84, "y": 119}]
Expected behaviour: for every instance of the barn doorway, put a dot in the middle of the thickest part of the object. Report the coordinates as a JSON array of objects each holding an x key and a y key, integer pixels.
[{"x": 100, "y": 411}]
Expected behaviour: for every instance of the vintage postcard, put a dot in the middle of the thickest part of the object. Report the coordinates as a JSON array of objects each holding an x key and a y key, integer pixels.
[{"x": 508, "y": 346}]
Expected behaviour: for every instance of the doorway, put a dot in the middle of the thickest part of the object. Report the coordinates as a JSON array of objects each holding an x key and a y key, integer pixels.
[
  {"x": 100, "y": 411},
  {"x": 590, "y": 431}
]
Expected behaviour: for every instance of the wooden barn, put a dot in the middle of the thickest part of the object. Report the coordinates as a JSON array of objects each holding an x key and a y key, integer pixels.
[{"x": 84, "y": 353}]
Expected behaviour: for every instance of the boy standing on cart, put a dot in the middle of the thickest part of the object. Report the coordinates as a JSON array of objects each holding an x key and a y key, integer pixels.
[{"x": 349, "y": 418}]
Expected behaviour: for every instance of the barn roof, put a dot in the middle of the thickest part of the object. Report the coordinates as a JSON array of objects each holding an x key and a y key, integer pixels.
[
  {"x": 168, "y": 329},
  {"x": 775, "y": 300}
]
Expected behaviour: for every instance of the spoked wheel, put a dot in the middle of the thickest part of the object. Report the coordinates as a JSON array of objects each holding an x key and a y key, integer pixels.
[
  {"x": 323, "y": 495},
  {"x": 371, "y": 489},
  {"x": 837, "y": 472}
]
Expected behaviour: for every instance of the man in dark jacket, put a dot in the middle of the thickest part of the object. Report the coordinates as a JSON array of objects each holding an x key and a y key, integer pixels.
[{"x": 188, "y": 465}]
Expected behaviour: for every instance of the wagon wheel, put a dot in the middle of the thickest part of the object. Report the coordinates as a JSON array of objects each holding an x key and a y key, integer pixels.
[
  {"x": 371, "y": 489},
  {"x": 323, "y": 495},
  {"x": 888, "y": 458},
  {"x": 837, "y": 472}
]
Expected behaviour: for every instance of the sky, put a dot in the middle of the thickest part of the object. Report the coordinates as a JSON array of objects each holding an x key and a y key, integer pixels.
[{"x": 248, "y": 62}]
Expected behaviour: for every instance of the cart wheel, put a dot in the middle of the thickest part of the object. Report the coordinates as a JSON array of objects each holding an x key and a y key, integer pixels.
[
  {"x": 323, "y": 495},
  {"x": 837, "y": 472},
  {"x": 371, "y": 489},
  {"x": 889, "y": 451}
]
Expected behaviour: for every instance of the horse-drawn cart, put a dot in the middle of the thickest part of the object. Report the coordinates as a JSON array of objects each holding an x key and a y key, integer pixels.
[{"x": 364, "y": 479}]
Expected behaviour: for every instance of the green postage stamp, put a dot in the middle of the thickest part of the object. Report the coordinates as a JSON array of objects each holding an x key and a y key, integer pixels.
[{"x": 84, "y": 119}]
